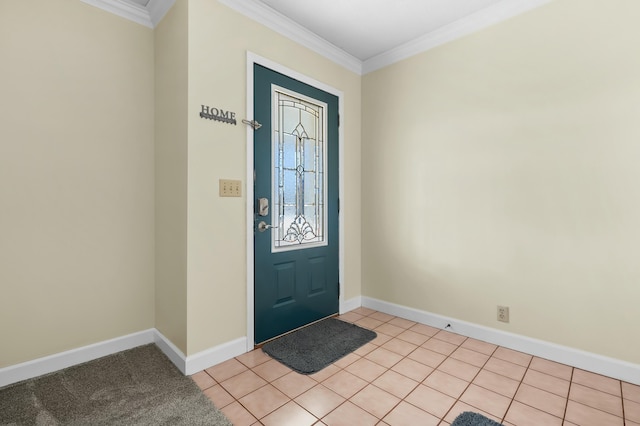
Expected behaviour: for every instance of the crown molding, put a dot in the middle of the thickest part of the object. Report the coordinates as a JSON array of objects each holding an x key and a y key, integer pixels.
[
  {"x": 151, "y": 15},
  {"x": 148, "y": 16},
  {"x": 157, "y": 9},
  {"x": 481, "y": 19},
  {"x": 281, "y": 24},
  {"x": 265, "y": 15}
]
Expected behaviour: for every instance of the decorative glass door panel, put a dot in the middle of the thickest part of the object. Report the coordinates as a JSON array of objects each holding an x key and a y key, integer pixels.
[
  {"x": 296, "y": 241},
  {"x": 299, "y": 175}
]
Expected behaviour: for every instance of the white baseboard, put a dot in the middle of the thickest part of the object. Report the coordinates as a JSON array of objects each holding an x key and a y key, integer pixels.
[
  {"x": 216, "y": 355},
  {"x": 187, "y": 365},
  {"x": 197, "y": 362},
  {"x": 350, "y": 305},
  {"x": 49, "y": 364},
  {"x": 611, "y": 367},
  {"x": 170, "y": 350}
]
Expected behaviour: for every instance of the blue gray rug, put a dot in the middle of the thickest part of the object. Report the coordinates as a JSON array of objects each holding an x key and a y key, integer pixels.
[
  {"x": 469, "y": 418},
  {"x": 315, "y": 346}
]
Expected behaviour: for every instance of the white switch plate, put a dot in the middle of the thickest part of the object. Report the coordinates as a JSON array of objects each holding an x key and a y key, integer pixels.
[{"x": 230, "y": 188}]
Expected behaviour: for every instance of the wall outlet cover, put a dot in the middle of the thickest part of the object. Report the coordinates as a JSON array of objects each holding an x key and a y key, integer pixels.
[{"x": 503, "y": 313}]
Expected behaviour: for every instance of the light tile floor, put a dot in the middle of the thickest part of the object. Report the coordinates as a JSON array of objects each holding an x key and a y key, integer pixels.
[{"x": 415, "y": 374}]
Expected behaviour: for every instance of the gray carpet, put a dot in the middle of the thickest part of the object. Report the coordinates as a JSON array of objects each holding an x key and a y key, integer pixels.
[
  {"x": 469, "y": 418},
  {"x": 315, "y": 346},
  {"x": 135, "y": 387}
]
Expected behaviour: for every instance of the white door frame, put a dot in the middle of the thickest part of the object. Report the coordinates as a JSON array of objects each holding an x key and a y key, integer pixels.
[{"x": 256, "y": 59}]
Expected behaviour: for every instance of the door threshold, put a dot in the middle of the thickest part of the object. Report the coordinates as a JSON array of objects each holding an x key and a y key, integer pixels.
[{"x": 260, "y": 345}]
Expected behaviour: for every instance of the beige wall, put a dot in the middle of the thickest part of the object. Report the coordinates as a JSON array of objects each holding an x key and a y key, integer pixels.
[
  {"x": 76, "y": 177},
  {"x": 496, "y": 169},
  {"x": 84, "y": 94},
  {"x": 502, "y": 169},
  {"x": 218, "y": 41},
  {"x": 171, "y": 79}
]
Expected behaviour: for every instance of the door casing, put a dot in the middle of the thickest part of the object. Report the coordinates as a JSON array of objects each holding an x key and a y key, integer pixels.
[{"x": 256, "y": 59}]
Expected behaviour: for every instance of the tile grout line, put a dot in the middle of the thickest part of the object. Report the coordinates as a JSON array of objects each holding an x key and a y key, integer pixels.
[
  {"x": 481, "y": 368},
  {"x": 418, "y": 383},
  {"x": 591, "y": 387},
  {"x": 517, "y": 389},
  {"x": 624, "y": 418},
  {"x": 390, "y": 369},
  {"x": 566, "y": 406},
  {"x": 254, "y": 390},
  {"x": 545, "y": 391},
  {"x": 434, "y": 369},
  {"x": 319, "y": 419},
  {"x": 368, "y": 382},
  {"x": 468, "y": 384}
]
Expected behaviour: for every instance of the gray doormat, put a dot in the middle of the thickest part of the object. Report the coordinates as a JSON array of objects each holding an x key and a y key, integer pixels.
[
  {"x": 135, "y": 387},
  {"x": 469, "y": 418},
  {"x": 315, "y": 346}
]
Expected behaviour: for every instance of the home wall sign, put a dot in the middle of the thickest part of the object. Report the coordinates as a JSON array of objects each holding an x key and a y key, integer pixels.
[{"x": 218, "y": 114}]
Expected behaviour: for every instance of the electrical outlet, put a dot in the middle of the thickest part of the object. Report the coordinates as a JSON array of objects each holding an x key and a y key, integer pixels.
[
  {"x": 503, "y": 313},
  {"x": 230, "y": 188}
]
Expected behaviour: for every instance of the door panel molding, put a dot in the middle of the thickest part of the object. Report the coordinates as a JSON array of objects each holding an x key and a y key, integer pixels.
[{"x": 252, "y": 59}]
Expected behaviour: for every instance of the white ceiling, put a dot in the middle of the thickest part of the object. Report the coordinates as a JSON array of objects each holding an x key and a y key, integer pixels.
[
  {"x": 366, "y": 28},
  {"x": 366, "y": 35},
  {"x": 361, "y": 35}
]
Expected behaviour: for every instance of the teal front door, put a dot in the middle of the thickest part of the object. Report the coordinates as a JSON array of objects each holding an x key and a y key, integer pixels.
[{"x": 296, "y": 204}]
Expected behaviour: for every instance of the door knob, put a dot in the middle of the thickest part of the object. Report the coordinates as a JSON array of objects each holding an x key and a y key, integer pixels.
[{"x": 263, "y": 226}]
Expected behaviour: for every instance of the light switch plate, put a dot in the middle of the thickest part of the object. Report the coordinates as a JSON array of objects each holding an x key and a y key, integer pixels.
[{"x": 230, "y": 188}]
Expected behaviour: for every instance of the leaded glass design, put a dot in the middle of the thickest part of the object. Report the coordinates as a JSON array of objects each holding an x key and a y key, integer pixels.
[{"x": 299, "y": 185}]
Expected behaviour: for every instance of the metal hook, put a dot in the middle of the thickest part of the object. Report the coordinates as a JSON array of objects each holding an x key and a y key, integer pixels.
[{"x": 253, "y": 123}]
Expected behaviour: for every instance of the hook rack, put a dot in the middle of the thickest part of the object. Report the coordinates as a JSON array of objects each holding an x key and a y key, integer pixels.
[{"x": 253, "y": 123}]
